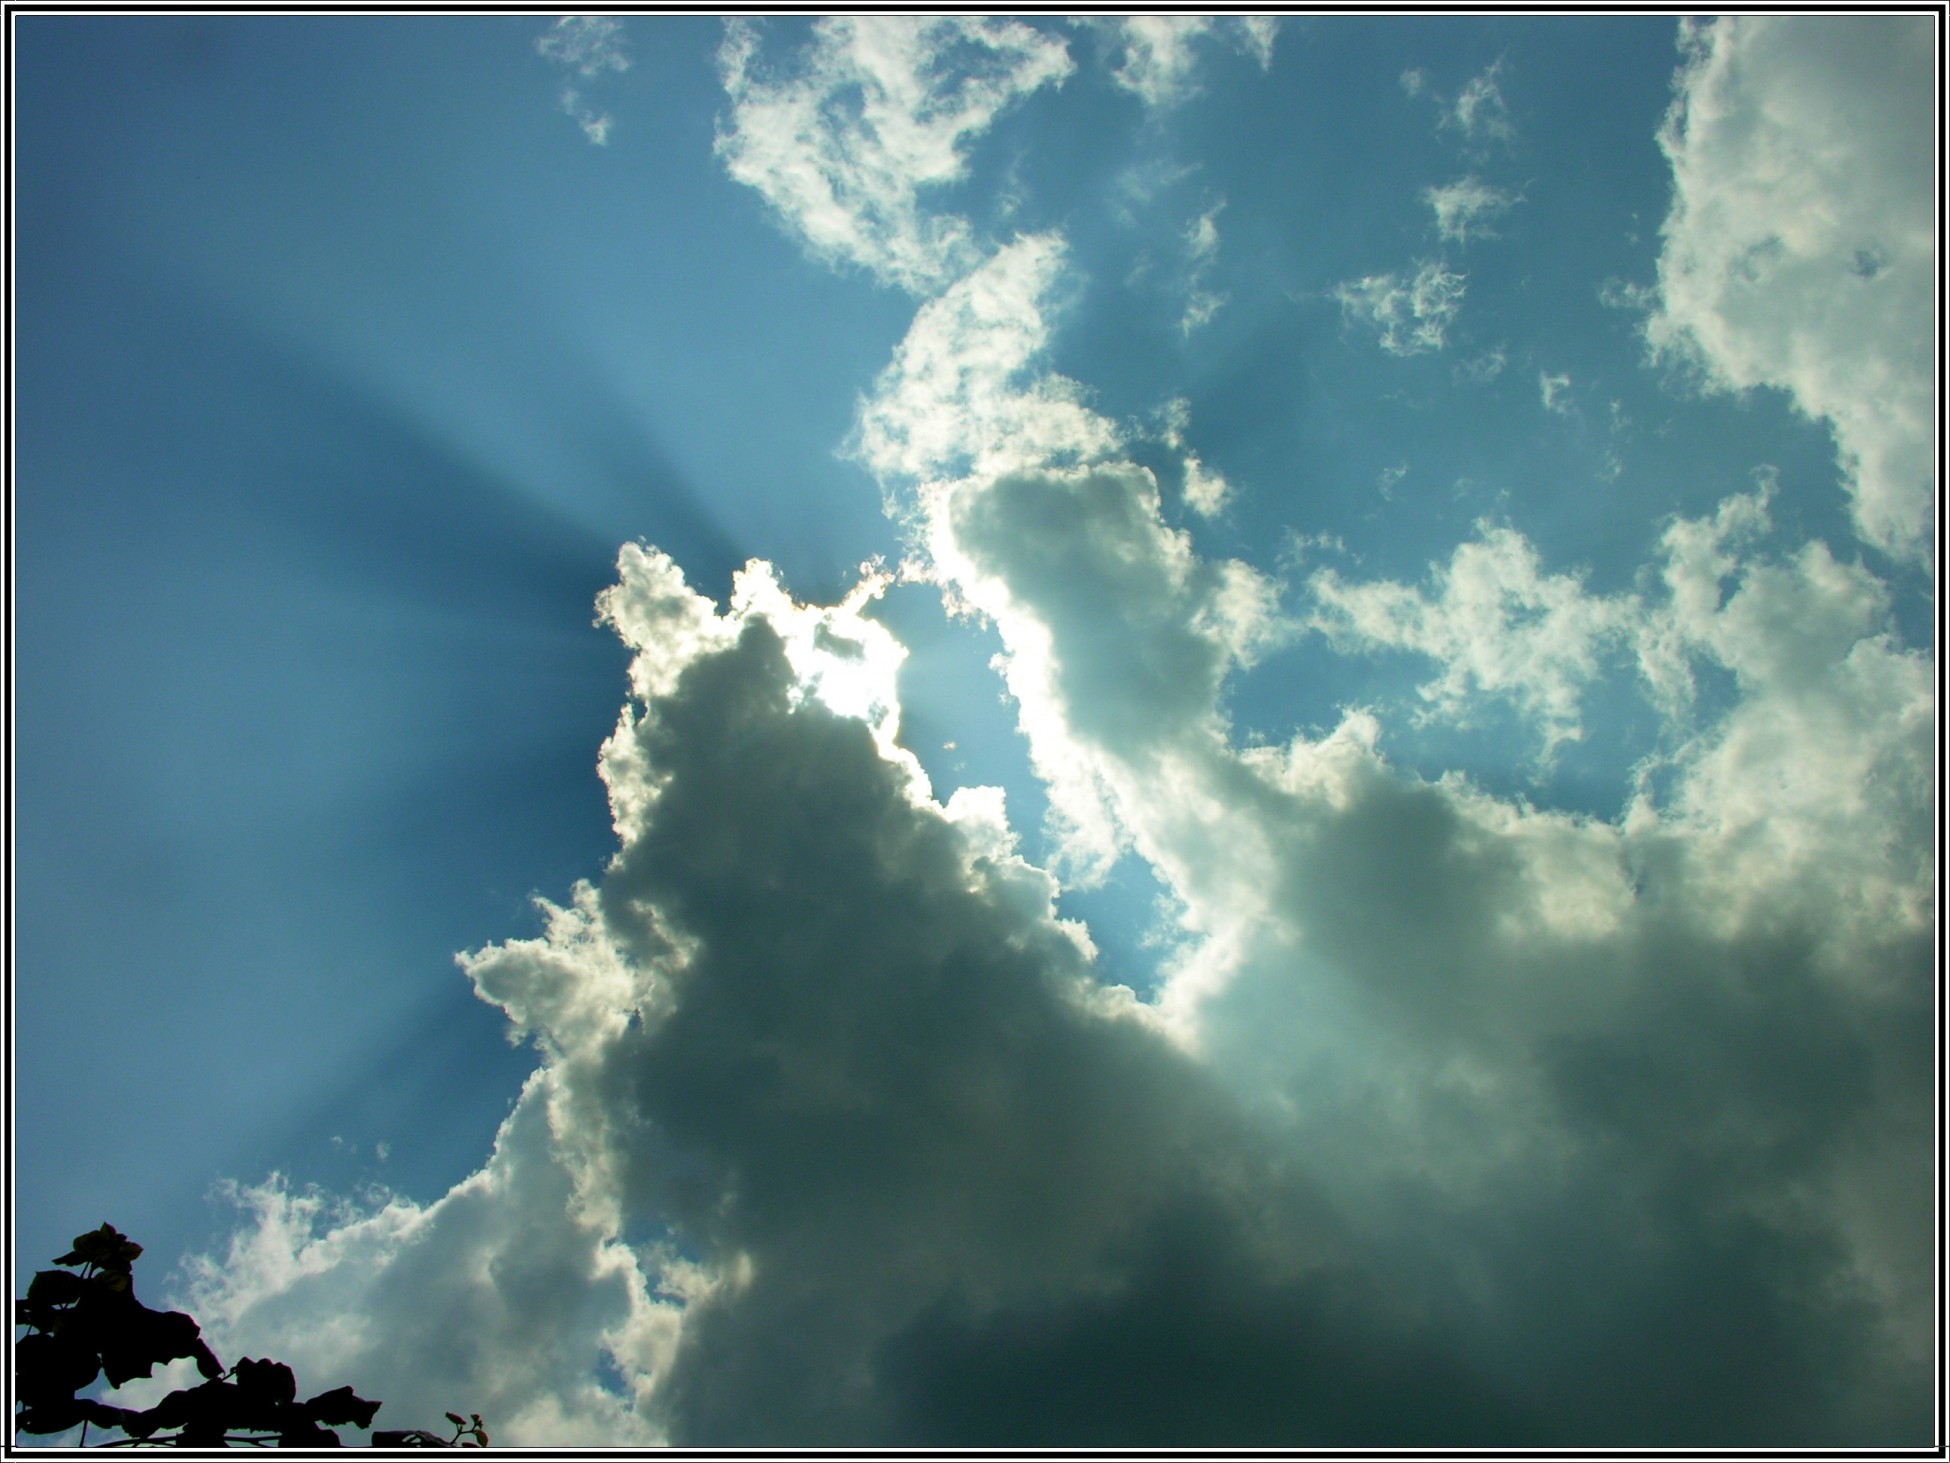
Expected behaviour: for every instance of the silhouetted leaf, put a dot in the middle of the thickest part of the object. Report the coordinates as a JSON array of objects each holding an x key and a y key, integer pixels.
[
  {"x": 106, "y": 1247},
  {"x": 411, "y": 1437},
  {"x": 55, "y": 1416},
  {"x": 270, "y": 1381},
  {"x": 55, "y": 1287},
  {"x": 206, "y": 1360},
  {"x": 143, "y": 1338},
  {"x": 102, "y": 1415},
  {"x": 33, "y": 1313},
  {"x": 341, "y": 1406},
  {"x": 204, "y": 1413},
  {"x": 50, "y": 1369}
]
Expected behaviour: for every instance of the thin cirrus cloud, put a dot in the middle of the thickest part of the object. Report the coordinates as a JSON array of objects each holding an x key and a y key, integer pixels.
[
  {"x": 1467, "y": 208},
  {"x": 587, "y": 47},
  {"x": 1409, "y": 315},
  {"x": 1456, "y": 1120},
  {"x": 1480, "y": 112},
  {"x": 1201, "y": 250},
  {"x": 1158, "y": 54}
]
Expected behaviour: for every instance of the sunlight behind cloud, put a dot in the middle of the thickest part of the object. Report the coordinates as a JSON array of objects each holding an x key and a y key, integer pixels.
[{"x": 1446, "y": 960}]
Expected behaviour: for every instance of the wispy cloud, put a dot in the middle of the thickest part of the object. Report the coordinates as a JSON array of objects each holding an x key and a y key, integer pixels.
[
  {"x": 1553, "y": 392},
  {"x": 1479, "y": 110},
  {"x": 588, "y": 47},
  {"x": 1467, "y": 207},
  {"x": 1158, "y": 60},
  {"x": 1411, "y": 316},
  {"x": 1201, "y": 252}
]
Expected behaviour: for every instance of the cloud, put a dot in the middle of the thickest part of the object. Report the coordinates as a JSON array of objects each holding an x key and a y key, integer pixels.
[
  {"x": 1201, "y": 251},
  {"x": 1457, "y": 1120},
  {"x": 1552, "y": 391},
  {"x": 831, "y": 1103},
  {"x": 1206, "y": 490},
  {"x": 1159, "y": 60},
  {"x": 1501, "y": 626},
  {"x": 1479, "y": 110},
  {"x": 1411, "y": 316},
  {"x": 587, "y": 46},
  {"x": 965, "y": 391},
  {"x": 1528, "y": 1047},
  {"x": 1533, "y": 1047},
  {"x": 1466, "y": 207},
  {"x": 839, "y": 1136},
  {"x": 873, "y": 118},
  {"x": 1486, "y": 367},
  {"x": 1800, "y": 250}
]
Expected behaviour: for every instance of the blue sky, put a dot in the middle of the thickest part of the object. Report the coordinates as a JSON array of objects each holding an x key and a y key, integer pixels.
[{"x": 1424, "y": 523}]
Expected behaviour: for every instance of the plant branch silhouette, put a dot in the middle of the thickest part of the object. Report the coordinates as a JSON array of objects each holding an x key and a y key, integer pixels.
[{"x": 85, "y": 1324}]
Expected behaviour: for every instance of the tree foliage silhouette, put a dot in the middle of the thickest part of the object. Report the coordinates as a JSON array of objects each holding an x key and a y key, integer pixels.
[{"x": 84, "y": 1323}]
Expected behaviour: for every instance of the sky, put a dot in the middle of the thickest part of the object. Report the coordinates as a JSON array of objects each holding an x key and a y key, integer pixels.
[{"x": 989, "y": 731}]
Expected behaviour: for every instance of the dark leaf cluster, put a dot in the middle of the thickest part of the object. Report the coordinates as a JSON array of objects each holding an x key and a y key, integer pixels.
[{"x": 84, "y": 1324}]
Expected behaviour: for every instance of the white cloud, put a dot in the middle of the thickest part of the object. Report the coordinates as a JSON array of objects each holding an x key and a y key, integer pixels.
[
  {"x": 1800, "y": 251},
  {"x": 1501, "y": 626},
  {"x": 1467, "y": 206},
  {"x": 1821, "y": 771},
  {"x": 1206, "y": 491},
  {"x": 964, "y": 392},
  {"x": 1201, "y": 251},
  {"x": 587, "y": 46},
  {"x": 1159, "y": 60},
  {"x": 873, "y": 119},
  {"x": 493, "y": 1299},
  {"x": 1488, "y": 366},
  {"x": 1552, "y": 391},
  {"x": 1479, "y": 110},
  {"x": 1411, "y": 316}
]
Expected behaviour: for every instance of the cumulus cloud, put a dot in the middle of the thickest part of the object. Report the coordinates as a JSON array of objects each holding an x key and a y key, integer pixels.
[
  {"x": 1411, "y": 316},
  {"x": 586, "y": 46},
  {"x": 1467, "y": 207},
  {"x": 1158, "y": 58},
  {"x": 846, "y": 143},
  {"x": 1456, "y": 1120},
  {"x": 1491, "y": 1025},
  {"x": 835, "y": 1127},
  {"x": 1444, "y": 997},
  {"x": 1800, "y": 250}
]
